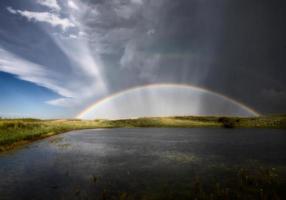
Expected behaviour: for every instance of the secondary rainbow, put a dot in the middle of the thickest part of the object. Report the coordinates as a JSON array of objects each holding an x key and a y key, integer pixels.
[{"x": 201, "y": 89}]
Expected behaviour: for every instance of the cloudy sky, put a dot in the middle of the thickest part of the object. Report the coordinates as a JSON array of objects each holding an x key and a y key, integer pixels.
[{"x": 59, "y": 56}]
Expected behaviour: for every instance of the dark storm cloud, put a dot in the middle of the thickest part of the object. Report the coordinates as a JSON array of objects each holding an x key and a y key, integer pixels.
[
  {"x": 233, "y": 47},
  {"x": 251, "y": 59},
  {"x": 236, "y": 48},
  {"x": 154, "y": 41}
]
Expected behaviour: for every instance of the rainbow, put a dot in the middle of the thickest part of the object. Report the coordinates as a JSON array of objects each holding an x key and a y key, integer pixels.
[{"x": 200, "y": 89}]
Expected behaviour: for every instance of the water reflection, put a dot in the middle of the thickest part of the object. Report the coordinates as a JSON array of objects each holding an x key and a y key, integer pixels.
[{"x": 142, "y": 162}]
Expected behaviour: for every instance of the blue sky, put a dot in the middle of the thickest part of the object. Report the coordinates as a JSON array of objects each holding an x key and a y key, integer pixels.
[
  {"x": 25, "y": 99},
  {"x": 52, "y": 69},
  {"x": 57, "y": 57}
]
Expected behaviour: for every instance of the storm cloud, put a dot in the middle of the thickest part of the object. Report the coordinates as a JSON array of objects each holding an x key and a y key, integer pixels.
[
  {"x": 236, "y": 48},
  {"x": 233, "y": 47}
]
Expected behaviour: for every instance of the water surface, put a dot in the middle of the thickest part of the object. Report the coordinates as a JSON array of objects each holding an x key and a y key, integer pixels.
[{"x": 91, "y": 164}]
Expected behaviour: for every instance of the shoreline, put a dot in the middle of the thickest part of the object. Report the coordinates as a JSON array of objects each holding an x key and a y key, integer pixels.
[{"x": 15, "y": 133}]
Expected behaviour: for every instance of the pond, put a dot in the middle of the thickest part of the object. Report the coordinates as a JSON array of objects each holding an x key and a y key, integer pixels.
[{"x": 148, "y": 163}]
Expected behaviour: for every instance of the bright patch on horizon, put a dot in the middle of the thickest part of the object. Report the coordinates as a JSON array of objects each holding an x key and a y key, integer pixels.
[{"x": 165, "y": 100}]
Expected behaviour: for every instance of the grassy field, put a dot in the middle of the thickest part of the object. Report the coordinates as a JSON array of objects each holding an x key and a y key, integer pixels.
[{"x": 15, "y": 132}]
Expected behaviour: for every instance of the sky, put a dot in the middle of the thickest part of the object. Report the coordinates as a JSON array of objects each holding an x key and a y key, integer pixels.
[{"x": 58, "y": 57}]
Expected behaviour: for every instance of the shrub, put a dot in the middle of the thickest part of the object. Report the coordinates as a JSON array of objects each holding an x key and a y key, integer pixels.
[{"x": 227, "y": 122}]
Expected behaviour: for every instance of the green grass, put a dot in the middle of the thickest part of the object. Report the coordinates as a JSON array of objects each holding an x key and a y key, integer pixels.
[{"x": 14, "y": 132}]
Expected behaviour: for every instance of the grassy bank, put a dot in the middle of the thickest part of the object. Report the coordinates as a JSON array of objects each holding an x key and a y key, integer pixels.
[{"x": 15, "y": 132}]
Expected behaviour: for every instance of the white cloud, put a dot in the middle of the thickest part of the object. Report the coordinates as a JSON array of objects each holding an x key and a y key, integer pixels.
[
  {"x": 75, "y": 88},
  {"x": 137, "y": 1},
  {"x": 82, "y": 34},
  {"x": 73, "y": 36},
  {"x": 31, "y": 72},
  {"x": 151, "y": 32},
  {"x": 11, "y": 10},
  {"x": 47, "y": 17},
  {"x": 82, "y": 82},
  {"x": 52, "y": 4},
  {"x": 72, "y": 5},
  {"x": 64, "y": 102}
]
